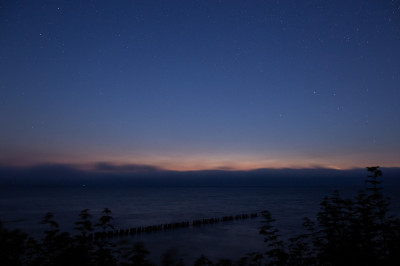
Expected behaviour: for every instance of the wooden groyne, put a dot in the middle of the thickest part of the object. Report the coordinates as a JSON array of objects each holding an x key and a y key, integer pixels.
[{"x": 169, "y": 226}]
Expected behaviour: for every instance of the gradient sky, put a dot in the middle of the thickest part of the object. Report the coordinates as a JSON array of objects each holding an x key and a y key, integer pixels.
[{"x": 200, "y": 84}]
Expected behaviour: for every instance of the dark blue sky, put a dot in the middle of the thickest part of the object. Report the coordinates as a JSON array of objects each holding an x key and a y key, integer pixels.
[{"x": 200, "y": 84}]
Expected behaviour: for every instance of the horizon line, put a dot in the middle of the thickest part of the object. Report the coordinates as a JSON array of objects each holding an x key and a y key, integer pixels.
[{"x": 102, "y": 166}]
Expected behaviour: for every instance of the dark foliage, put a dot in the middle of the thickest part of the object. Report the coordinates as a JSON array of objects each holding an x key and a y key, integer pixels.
[
  {"x": 203, "y": 261},
  {"x": 12, "y": 246},
  {"x": 355, "y": 231},
  {"x": 60, "y": 248}
]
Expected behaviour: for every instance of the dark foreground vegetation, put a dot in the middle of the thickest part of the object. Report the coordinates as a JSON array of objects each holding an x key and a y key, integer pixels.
[{"x": 356, "y": 231}]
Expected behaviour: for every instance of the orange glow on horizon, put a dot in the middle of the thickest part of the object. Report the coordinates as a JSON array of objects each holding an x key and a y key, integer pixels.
[
  {"x": 185, "y": 161},
  {"x": 197, "y": 163}
]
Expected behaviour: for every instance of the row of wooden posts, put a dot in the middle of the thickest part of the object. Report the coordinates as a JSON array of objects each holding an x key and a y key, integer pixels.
[{"x": 169, "y": 226}]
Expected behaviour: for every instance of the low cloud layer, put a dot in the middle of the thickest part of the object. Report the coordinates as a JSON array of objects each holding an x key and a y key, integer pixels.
[
  {"x": 108, "y": 174},
  {"x": 125, "y": 168}
]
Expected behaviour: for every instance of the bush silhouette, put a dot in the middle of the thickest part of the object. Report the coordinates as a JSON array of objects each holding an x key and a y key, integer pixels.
[{"x": 12, "y": 245}]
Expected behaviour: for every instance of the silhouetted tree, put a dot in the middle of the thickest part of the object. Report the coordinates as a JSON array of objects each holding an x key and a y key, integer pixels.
[
  {"x": 347, "y": 232},
  {"x": 137, "y": 255},
  {"x": 170, "y": 258},
  {"x": 300, "y": 249},
  {"x": 12, "y": 246},
  {"x": 253, "y": 258},
  {"x": 104, "y": 253},
  {"x": 276, "y": 251},
  {"x": 55, "y": 248},
  {"x": 203, "y": 261}
]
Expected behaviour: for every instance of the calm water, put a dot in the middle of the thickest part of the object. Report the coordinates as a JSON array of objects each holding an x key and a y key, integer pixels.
[{"x": 24, "y": 207}]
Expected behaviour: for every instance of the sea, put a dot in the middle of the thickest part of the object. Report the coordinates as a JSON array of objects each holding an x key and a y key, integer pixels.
[{"x": 24, "y": 207}]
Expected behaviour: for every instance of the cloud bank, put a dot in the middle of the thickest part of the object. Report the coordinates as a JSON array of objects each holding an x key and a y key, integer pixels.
[{"x": 108, "y": 174}]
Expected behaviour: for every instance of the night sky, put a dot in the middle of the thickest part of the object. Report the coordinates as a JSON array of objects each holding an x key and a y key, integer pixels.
[{"x": 189, "y": 85}]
